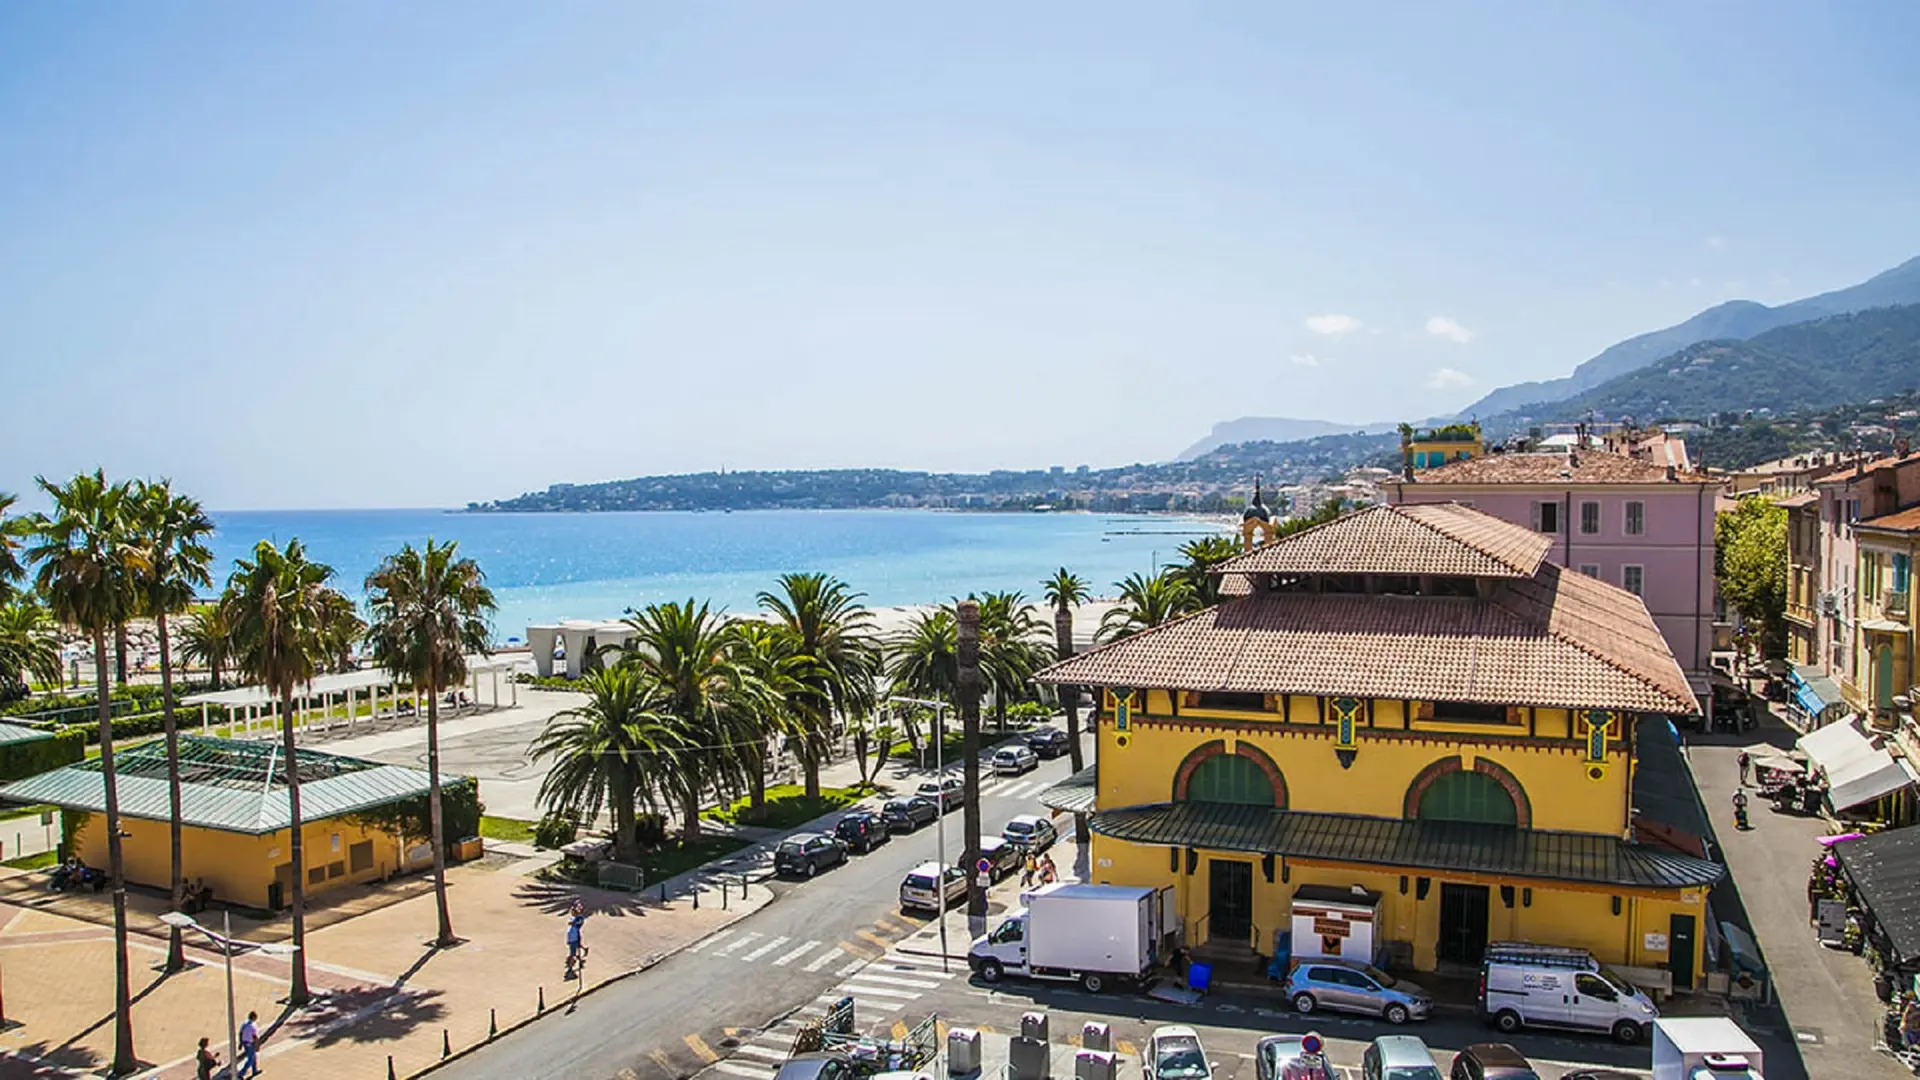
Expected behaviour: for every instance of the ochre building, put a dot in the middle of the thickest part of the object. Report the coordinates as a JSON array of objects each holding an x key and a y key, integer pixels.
[{"x": 1412, "y": 706}]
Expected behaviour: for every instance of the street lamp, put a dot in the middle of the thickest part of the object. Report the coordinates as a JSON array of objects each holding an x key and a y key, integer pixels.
[
  {"x": 225, "y": 940},
  {"x": 939, "y": 823}
]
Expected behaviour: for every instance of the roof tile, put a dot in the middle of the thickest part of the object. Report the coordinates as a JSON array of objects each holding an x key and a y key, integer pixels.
[
  {"x": 1434, "y": 538},
  {"x": 1588, "y": 466}
]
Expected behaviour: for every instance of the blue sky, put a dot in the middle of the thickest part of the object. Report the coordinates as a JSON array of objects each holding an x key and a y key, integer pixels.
[{"x": 361, "y": 254}]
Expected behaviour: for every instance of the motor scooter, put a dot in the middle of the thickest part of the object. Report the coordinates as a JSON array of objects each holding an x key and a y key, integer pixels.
[{"x": 1740, "y": 811}]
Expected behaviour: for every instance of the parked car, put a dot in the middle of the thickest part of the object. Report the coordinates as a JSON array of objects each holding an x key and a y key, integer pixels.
[
  {"x": 1600, "y": 1074},
  {"x": 1344, "y": 986},
  {"x": 922, "y": 889},
  {"x": 1285, "y": 1057},
  {"x": 862, "y": 830},
  {"x": 1398, "y": 1057},
  {"x": 1030, "y": 832},
  {"x": 1048, "y": 742},
  {"x": 947, "y": 792},
  {"x": 1014, "y": 759},
  {"x": 806, "y": 854},
  {"x": 817, "y": 1066},
  {"x": 1491, "y": 1061},
  {"x": 1528, "y": 985},
  {"x": 1005, "y": 857},
  {"x": 1174, "y": 1053},
  {"x": 906, "y": 815}
]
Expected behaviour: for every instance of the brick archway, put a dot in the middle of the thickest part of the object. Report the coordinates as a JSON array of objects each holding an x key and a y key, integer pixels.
[
  {"x": 1206, "y": 751},
  {"x": 1493, "y": 770}
]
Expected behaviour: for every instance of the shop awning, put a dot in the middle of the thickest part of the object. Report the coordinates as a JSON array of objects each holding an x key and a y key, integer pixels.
[
  {"x": 1813, "y": 691},
  {"x": 1858, "y": 769},
  {"x": 1885, "y": 868},
  {"x": 1074, "y": 795},
  {"x": 1465, "y": 847}
]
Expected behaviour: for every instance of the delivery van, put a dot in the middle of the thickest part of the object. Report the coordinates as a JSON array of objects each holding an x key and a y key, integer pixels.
[{"x": 1527, "y": 985}]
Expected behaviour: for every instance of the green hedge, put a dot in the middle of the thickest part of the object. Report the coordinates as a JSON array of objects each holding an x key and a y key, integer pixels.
[
  {"x": 460, "y": 809},
  {"x": 133, "y": 698},
  {"x": 23, "y": 759}
]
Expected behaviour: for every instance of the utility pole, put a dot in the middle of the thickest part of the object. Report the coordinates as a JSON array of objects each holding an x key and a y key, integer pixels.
[{"x": 969, "y": 664}]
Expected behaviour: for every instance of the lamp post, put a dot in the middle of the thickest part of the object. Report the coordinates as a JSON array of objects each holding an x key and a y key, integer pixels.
[
  {"x": 939, "y": 823},
  {"x": 226, "y": 942}
]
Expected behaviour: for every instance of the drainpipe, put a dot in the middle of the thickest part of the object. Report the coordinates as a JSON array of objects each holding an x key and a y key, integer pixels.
[
  {"x": 1699, "y": 550},
  {"x": 1566, "y": 526}
]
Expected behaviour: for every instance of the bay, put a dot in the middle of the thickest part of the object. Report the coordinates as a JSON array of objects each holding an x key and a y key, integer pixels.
[{"x": 547, "y": 567}]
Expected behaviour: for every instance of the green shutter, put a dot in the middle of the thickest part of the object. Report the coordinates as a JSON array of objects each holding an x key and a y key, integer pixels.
[
  {"x": 1468, "y": 796},
  {"x": 1230, "y": 778}
]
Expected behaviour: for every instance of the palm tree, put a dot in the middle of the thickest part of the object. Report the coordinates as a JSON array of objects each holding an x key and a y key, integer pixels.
[
  {"x": 967, "y": 657},
  {"x": 1009, "y": 649},
  {"x": 87, "y": 573},
  {"x": 430, "y": 609},
  {"x": 29, "y": 649},
  {"x": 1202, "y": 556},
  {"x": 279, "y": 605},
  {"x": 690, "y": 658},
  {"x": 1147, "y": 602},
  {"x": 207, "y": 639},
  {"x": 171, "y": 531},
  {"x": 342, "y": 631},
  {"x": 767, "y": 652},
  {"x": 923, "y": 661},
  {"x": 1063, "y": 590},
  {"x": 609, "y": 752},
  {"x": 13, "y": 533},
  {"x": 827, "y": 627}
]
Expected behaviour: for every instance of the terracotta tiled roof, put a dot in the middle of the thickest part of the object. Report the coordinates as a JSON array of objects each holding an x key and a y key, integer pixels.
[
  {"x": 1795, "y": 502},
  {"x": 1899, "y": 521},
  {"x": 1589, "y": 467},
  {"x": 1435, "y": 538},
  {"x": 1556, "y": 639},
  {"x": 1847, "y": 472}
]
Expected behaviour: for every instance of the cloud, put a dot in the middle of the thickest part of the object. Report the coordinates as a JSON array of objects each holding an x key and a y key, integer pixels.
[
  {"x": 1447, "y": 378},
  {"x": 1716, "y": 243},
  {"x": 1332, "y": 325},
  {"x": 1445, "y": 326},
  {"x": 1305, "y": 359}
]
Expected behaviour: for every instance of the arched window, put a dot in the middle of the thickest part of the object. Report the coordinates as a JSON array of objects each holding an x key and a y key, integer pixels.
[
  {"x": 1230, "y": 778},
  {"x": 1468, "y": 796}
]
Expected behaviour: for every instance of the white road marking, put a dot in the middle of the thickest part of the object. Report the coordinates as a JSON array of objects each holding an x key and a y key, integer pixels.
[
  {"x": 878, "y": 991},
  {"x": 929, "y": 965},
  {"x": 735, "y": 943},
  {"x": 850, "y": 968},
  {"x": 890, "y": 980},
  {"x": 765, "y": 949},
  {"x": 756, "y": 1072},
  {"x": 824, "y": 959},
  {"x": 767, "y": 1052},
  {"x": 788, "y": 958},
  {"x": 708, "y": 940}
]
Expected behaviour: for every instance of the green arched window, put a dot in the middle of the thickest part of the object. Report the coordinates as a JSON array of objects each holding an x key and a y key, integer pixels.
[
  {"x": 1230, "y": 778},
  {"x": 1468, "y": 796}
]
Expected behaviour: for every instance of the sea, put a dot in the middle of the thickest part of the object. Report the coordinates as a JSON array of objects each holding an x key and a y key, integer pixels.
[{"x": 547, "y": 567}]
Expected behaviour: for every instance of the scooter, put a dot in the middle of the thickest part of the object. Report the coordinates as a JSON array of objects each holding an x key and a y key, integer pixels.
[{"x": 1740, "y": 812}]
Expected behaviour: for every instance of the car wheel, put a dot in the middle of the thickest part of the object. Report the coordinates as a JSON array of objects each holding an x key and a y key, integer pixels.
[
  {"x": 990, "y": 971},
  {"x": 812, "y": 868},
  {"x": 1395, "y": 1013},
  {"x": 1626, "y": 1033},
  {"x": 1507, "y": 1021},
  {"x": 1303, "y": 1002},
  {"x": 1093, "y": 982}
]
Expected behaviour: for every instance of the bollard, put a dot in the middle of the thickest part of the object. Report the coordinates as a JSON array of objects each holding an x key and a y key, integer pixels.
[
  {"x": 1096, "y": 1036},
  {"x": 725, "y": 889},
  {"x": 493, "y": 1023},
  {"x": 542, "y": 1007},
  {"x": 390, "y": 1075},
  {"x": 696, "y": 898},
  {"x": 663, "y": 893},
  {"x": 446, "y": 1044}
]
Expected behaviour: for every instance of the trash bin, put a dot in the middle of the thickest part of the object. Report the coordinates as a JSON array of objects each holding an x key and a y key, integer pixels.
[
  {"x": 1095, "y": 1035},
  {"x": 1033, "y": 1025},
  {"x": 1199, "y": 977},
  {"x": 275, "y": 899},
  {"x": 1095, "y": 1065},
  {"x": 963, "y": 1052},
  {"x": 1028, "y": 1059}
]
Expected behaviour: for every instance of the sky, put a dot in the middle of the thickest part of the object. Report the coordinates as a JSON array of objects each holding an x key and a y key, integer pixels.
[{"x": 366, "y": 254}]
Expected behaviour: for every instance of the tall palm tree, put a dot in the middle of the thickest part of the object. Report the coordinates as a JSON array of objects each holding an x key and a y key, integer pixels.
[
  {"x": 88, "y": 572},
  {"x": 967, "y": 659},
  {"x": 207, "y": 639},
  {"x": 280, "y": 604},
  {"x": 825, "y": 624},
  {"x": 767, "y": 652},
  {"x": 690, "y": 656},
  {"x": 1063, "y": 590},
  {"x": 430, "y": 609},
  {"x": 1147, "y": 602},
  {"x": 1202, "y": 556},
  {"x": 342, "y": 631},
  {"x": 171, "y": 531},
  {"x": 610, "y": 752},
  {"x": 923, "y": 660},
  {"x": 29, "y": 649},
  {"x": 13, "y": 534},
  {"x": 1009, "y": 649}
]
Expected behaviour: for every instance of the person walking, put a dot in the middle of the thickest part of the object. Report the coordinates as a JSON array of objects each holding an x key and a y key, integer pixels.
[
  {"x": 576, "y": 952},
  {"x": 204, "y": 1061},
  {"x": 249, "y": 1048},
  {"x": 1028, "y": 870},
  {"x": 1746, "y": 763},
  {"x": 1047, "y": 870}
]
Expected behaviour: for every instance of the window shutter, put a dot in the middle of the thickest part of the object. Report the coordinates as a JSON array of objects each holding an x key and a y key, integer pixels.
[{"x": 1536, "y": 517}]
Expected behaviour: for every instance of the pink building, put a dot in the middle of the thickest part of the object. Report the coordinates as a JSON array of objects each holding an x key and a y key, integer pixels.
[
  {"x": 1845, "y": 498},
  {"x": 1642, "y": 520}
]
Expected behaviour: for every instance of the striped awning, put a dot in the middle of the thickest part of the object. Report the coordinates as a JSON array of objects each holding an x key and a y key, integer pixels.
[{"x": 1074, "y": 795}]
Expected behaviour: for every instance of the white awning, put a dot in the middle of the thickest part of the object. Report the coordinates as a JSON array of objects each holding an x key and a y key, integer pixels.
[
  {"x": 1858, "y": 769},
  {"x": 354, "y": 681}
]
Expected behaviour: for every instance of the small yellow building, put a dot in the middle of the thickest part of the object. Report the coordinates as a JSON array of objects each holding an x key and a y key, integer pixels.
[
  {"x": 236, "y": 835},
  {"x": 1409, "y": 705},
  {"x": 1431, "y": 448}
]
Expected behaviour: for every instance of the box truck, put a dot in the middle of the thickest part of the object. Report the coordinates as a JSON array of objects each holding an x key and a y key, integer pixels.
[
  {"x": 1703, "y": 1048},
  {"x": 1096, "y": 935}
]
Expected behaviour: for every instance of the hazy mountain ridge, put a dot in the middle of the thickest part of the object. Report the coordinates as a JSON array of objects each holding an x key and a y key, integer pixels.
[{"x": 1274, "y": 429}]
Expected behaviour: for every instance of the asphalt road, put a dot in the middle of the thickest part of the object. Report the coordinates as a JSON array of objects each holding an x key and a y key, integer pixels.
[{"x": 680, "y": 1016}]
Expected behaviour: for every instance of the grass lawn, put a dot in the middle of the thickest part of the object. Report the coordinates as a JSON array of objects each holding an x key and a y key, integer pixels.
[
  {"x": 33, "y": 862},
  {"x": 26, "y": 811},
  {"x": 786, "y": 806},
  {"x": 506, "y": 828}
]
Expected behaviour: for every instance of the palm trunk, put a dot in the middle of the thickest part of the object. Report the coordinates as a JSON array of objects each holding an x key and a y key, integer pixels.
[
  {"x": 969, "y": 679},
  {"x": 757, "y": 782},
  {"x": 213, "y": 669},
  {"x": 1069, "y": 695},
  {"x": 812, "y": 750},
  {"x": 120, "y": 655},
  {"x": 176, "y": 948},
  {"x": 690, "y": 807},
  {"x": 626, "y": 848},
  {"x": 124, "y": 1062},
  {"x": 299, "y": 995},
  {"x": 445, "y": 939}
]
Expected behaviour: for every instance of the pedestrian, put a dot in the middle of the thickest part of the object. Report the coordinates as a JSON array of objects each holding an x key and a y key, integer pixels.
[
  {"x": 249, "y": 1048},
  {"x": 1746, "y": 763},
  {"x": 204, "y": 1061},
  {"x": 1046, "y": 870},
  {"x": 1028, "y": 871},
  {"x": 576, "y": 952},
  {"x": 1910, "y": 1023}
]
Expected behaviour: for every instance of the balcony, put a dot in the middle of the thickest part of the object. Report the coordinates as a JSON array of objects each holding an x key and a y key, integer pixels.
[{"x": 1896, "y": 605}]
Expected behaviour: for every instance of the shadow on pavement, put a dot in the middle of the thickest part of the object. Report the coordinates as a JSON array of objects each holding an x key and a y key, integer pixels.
[{"x": 398, "y": 1013}]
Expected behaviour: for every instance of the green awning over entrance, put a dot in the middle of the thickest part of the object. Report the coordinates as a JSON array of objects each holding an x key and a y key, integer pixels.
[
  {"x": 1074, "y": 795},
  {"x": 1459, "y": 846}
]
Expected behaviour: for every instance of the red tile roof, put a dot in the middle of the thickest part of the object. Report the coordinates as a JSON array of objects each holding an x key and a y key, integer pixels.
[
  {"x": 1907, "y": 520},
  {"x": 1433, "y": 538},
  {"x": 1849, "y": 471},
  {"x": 1588, "y": 466}
]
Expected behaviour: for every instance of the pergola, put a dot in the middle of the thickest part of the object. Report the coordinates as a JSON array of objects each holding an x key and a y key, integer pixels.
[
  {"x": 250, "y": 707},
  {"x": 579, "y": 636}
]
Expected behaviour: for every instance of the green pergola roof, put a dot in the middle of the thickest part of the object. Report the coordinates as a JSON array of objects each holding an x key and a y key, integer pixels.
[
  {"x": 227, "y": 784},
  {"x": 19, "y": 733},
  {"x": 1460, "y": 846},
  {"x": 1074, "y": 795}
]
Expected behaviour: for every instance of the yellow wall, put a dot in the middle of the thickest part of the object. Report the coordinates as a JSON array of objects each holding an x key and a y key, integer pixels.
[
  {"x": 238, "y": 866},
  {"x": 1549, "y": 766}
]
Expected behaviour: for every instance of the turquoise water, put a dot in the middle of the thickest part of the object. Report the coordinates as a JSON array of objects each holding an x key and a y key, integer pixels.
[{"x": 545, "y": 567}]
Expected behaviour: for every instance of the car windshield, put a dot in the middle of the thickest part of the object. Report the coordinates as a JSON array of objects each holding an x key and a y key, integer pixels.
[
  {"x": 1018, "y": 827},
  {"x": 1180, "y": 1058},
  {"x": 1379, "y": 976},
  {"x": 790, "y": 847},
  {"x": 1618, "y": 980},
  {"x": 918, "y": 881},
  {"x": 1413, "y": 1072},
  {"x": 897, "y": 807}
]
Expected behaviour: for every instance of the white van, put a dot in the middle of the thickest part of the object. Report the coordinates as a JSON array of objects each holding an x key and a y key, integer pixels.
[{"x": 1527, "y": 985}]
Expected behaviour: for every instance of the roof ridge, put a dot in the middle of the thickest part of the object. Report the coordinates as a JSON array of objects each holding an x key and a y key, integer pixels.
[
  {"x": 1583, "y": 646},
  {"x": 1421, "y": 519},
  {"x": 1106, "y": 645},
  {"x": 1227, "y": 567}
]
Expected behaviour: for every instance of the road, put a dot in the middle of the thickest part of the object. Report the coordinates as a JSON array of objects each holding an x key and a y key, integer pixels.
[{"x": 673, "y": 1020}]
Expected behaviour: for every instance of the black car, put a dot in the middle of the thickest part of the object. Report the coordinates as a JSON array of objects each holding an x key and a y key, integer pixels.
[
  {"x": 1048, "y": 742},
  {"x": 862, "y": 830},
  {"x": 1491, "y": 1061},
  {"x": 906, "y": 815},
  {"x": 806, "y": 854},
  {"x": 817, "y": 1066}
]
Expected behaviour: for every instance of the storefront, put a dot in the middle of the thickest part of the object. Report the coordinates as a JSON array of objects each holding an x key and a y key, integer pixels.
[
  {"x": 1864, "y": 781},
  {"x": 1815, "y": 700}
]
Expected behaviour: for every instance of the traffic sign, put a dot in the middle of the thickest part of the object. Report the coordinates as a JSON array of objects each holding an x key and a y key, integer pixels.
[
  {"x": 985, "y": 866},
  {"x": 1311, "y": 1042}
]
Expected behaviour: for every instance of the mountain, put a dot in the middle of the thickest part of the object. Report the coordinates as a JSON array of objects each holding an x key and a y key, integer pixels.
[
  {"x": 1275, "y": 429},
  {"x": 1734, "y": 320}
]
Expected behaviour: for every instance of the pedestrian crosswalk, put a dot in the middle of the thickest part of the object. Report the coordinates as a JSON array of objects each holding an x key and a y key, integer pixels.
[
  {"x": 1012, "y": 787},
  {"x": 840, "y": 958}
]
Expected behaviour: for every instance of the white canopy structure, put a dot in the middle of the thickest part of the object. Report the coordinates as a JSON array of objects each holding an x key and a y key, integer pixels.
[
  {"x": 579, "y": 637},
  {"x": 1859, "y": 770},
  {"x": 249, "y": 706}
]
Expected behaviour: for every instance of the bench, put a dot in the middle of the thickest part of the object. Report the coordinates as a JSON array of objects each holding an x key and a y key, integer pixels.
[{"x": 613, "y": 875}]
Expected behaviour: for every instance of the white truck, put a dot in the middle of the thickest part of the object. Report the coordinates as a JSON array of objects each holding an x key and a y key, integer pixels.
[
  {"x": 1097, "y": 935},
  {"x": 1704, "y": 1048}
]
